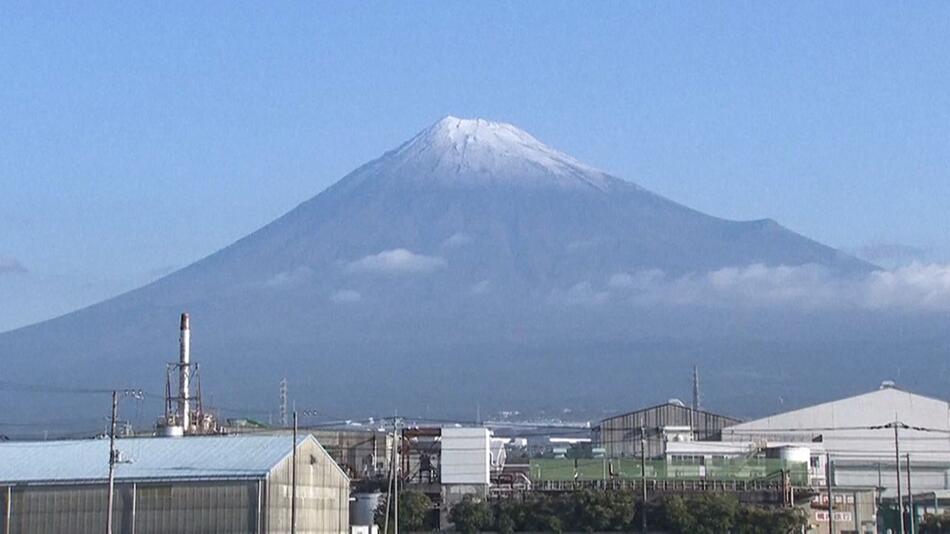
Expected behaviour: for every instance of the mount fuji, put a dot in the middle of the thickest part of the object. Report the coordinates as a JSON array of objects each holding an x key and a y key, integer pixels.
[{"x": 472, "y": 265}]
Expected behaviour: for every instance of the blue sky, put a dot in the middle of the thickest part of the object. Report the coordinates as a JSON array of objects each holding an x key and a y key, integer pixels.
[{"x": 136, "y": 138}]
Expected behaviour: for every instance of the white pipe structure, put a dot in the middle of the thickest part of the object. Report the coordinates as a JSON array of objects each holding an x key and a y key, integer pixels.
[{"x": 184, "y": 372}]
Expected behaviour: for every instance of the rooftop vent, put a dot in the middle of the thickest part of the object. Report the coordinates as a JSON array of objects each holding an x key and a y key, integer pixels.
[
  {"x": 676, "y": 402},
  {"x": 888, "y": 384}
]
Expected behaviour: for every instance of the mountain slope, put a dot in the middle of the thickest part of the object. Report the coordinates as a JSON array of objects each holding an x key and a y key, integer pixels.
[
  {"x": 532, "y": 214},
  {"x": 445, "y": 257}
]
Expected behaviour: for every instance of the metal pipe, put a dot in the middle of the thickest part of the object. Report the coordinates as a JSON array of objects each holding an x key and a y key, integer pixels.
[
  {"x": 260, "y": 497},
  {"x": 184, "y": 372},
  {"x": 134, "y": 504}
]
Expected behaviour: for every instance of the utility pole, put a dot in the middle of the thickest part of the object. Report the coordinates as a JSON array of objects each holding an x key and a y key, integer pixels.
[
  {"x": 398, "y": 454},
  {"x": 831, "y": 497},
  {"x": 910, "y": 498},
  {"x": 293, "y": 482},
  {"x": 392, "y": 500},
  {"x": 897, "y": 471},
  {"x": 112, "y": 461},
  {"x": 643, "y": 481},
  {"x": 389, "y": 489}
]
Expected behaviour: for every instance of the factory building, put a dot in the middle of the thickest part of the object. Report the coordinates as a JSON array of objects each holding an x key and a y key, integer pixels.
[
  {"x": 621, "y": 436},
  {"x": 854, "y": 440},
  {"x": 204, "y": 484},
  {"x": 858, "y": 435}
]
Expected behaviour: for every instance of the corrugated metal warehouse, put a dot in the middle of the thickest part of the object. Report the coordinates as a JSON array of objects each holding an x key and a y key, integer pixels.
[
  {"x": 620, "y": 436},
  {"x": 208, "y": 484},
  {"x": 858, "y": 434}
]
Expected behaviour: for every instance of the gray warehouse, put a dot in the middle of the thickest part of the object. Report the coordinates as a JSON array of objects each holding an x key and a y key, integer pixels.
[{"x": 206, "y": 484}]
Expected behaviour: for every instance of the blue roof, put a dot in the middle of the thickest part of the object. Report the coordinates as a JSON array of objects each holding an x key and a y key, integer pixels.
[{"x": 198, "y": 457}]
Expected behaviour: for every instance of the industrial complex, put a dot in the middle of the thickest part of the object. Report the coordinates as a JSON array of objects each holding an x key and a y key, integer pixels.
[{"x": 875, "y": 462}]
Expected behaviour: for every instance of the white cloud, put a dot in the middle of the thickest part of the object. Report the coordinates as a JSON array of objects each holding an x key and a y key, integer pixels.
[
  {"x": 346, "y": 296},
  {"x": 10, "y": 265},
  {"x": 290, "y": 278},
  {"x": 397, "y": 260},
  {"x": 458, "y": 239},
  {"x": 916, "y": 286},
  {"x": 581, "y": 294},
  {"x": 924, "y": 287},
  {"x": 639, "y": 279}
]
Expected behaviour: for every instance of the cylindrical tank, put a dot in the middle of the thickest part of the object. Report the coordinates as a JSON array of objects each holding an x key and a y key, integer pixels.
[
  {"x": 794, "y": 454},
  {"x": 795, "y": 462},
  {"x": 171, "y": 431},
  {"x": 363, "y": 508}
]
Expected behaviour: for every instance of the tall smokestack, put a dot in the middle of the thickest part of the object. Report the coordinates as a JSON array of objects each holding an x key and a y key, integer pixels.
[{"x": 184, "y": 372}]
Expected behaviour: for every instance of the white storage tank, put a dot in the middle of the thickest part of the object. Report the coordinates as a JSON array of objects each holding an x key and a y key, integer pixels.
[
  {"x": 363, "y": 508},
  {"x": 171, "y": 431},
  {"x": 794, "y": 454}
]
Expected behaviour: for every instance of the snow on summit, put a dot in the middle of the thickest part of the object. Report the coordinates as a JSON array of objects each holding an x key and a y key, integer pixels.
[{"x": 478, "y": 151}]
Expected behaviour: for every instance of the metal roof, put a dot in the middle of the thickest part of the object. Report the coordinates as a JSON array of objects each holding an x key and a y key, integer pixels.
[
  {"x": 197, "y": 457},
  {"x": 853, "y": 428},
  {"x": 671, "y": 405},
  {"x": 877, "y": 407}
]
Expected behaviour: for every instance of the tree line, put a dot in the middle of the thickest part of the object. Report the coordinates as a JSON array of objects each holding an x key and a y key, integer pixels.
[{"x": 600, "y": 511}]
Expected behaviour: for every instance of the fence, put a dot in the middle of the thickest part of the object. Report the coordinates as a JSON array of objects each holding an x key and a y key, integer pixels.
[{"x": 729, "y": 469}]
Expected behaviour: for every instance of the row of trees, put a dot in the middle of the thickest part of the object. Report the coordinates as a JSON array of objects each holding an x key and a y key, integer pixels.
[{"x": 599, "y": 511}]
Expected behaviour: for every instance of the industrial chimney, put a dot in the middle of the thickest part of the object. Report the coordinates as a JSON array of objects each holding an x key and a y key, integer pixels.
[
  {"x": 184, "y": 372},
  {"x": 184, "y": 412}
]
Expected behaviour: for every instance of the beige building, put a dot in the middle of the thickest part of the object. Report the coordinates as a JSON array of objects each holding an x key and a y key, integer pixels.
[{"x": 202, "y": 484}]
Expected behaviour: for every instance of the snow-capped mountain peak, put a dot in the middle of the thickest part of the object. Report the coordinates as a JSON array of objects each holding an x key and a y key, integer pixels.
[{"x": 474, "y": 151}]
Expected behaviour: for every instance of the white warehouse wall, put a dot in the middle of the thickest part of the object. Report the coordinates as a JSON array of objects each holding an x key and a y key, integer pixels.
[{"x": 466, "y": 457}]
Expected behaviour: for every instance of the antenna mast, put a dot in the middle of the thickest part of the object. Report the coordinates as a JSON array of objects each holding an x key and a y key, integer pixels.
[
  {"x": 283, "y": 402},
  {"x": 696, "y": 397}
]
